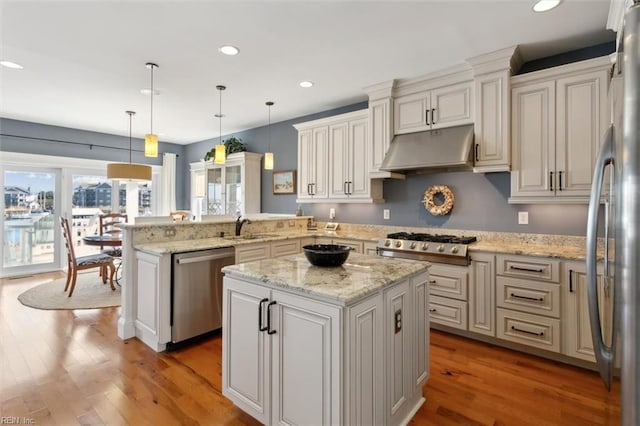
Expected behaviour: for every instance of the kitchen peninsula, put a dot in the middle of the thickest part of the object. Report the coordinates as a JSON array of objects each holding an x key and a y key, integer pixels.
[{"x": 311, "y": 345}]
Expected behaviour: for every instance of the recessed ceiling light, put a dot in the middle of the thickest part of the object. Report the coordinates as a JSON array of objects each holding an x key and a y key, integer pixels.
[
  {"x": 544, "y": 5},
  {"x": 147, "y": 92},
  {"x": 10, "y": 64},
  {"x": 306, "y": 83},
  {"x": 229, "y": 50}
]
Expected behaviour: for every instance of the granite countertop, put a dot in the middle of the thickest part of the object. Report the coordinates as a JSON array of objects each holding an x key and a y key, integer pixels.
[
  {"x": 526, "y": 249},
  {"x": 358, "y": 277},
  {"x": 558, "y": 247}
]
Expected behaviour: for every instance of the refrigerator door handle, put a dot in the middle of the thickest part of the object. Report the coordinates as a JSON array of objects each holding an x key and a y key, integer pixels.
[{"x": 604, "y": 354}]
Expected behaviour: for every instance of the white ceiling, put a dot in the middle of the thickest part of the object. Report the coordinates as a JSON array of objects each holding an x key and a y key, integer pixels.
[{"x": 84, "y": 61}]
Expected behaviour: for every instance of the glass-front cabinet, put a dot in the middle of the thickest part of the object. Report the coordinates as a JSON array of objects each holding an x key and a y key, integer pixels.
[{"x": 227, "y": 189}]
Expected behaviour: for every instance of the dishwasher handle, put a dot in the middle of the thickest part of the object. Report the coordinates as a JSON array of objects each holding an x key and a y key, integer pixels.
[{"x": 206, "y": 258}]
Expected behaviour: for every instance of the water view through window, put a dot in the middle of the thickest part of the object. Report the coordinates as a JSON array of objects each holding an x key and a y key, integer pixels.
[{"x": 29, "y": 220}]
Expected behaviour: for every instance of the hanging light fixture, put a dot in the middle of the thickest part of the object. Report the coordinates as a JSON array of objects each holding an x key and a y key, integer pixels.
[
  {"x": 268, "y": 156},
  {"x": 151, "y": 139},
  {"x": 129, "y": 171},
  {"x": 220, "y": 151}
]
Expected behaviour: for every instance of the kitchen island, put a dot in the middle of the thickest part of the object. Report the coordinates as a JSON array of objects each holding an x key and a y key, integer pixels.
[{"x": 309, "y": 345}]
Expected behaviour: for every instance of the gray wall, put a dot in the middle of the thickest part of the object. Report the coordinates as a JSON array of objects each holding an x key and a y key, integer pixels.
[
  {"x": 284, "y": 145},
  {"x": 480, "y": 199},
  {"x": 35, "y": 138}
]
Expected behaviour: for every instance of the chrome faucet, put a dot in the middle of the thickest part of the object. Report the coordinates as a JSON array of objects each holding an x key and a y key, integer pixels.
[{"x": 239, "y": 223}]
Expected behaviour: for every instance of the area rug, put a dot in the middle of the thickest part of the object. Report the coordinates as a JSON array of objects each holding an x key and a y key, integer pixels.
[{"x": 89, "y": 293}]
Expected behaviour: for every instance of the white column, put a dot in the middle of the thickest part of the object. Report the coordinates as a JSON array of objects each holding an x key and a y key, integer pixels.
[{"x": 132, "y": 201}]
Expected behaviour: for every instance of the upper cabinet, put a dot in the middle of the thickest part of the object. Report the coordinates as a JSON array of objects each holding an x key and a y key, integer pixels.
[
  {"x": 334, "y": 158},
  {"x": 227, "y": 189},
  {"x": 313, "y": 153},
  {"x": 559, "y": 117},
  {"x": 432, "y": 109}
]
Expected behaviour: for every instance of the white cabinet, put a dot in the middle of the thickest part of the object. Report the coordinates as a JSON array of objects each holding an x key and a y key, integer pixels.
[
  {"x": 528, "y": 301},
  {"x": 313, "y": 152},
  {"x": 348, "y": 173},
  {"x": 289, "y": 359},
  {"x": 482, "y": 291},
  {"x": 152, "y": 298},
  {"x": 298, "y": 344},
  {"x": 492, "y": 124},
  {"x": 577, "y": 328},
  {"x": 333, "y": 160},
  {"x": 441, "y": 107},
  {"x": 227, "y": 188},
  {"x": 448, "y": 285},
  {"x": 559, "y": 117}
]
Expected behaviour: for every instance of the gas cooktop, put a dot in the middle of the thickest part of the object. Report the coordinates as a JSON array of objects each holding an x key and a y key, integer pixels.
[{"x": 450, "y": 239}]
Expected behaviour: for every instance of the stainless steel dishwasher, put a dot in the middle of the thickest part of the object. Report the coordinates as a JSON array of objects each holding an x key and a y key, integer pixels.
[{"x": 196, "y": 292}]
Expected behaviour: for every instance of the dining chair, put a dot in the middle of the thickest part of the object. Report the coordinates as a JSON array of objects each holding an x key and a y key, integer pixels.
[
  {"x": 181, "y": 216},
  {"x": 74, "y": 264},
  {"x": 108, "y": 226}
]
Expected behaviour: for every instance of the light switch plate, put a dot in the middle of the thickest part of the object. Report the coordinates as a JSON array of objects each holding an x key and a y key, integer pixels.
[{"x": 386, "y": 214}]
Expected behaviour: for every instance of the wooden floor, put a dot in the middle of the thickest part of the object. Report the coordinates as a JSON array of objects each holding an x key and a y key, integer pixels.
[{"x": 70, "y": 368}]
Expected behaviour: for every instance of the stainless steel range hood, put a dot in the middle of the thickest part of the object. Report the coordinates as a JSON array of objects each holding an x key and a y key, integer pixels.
[{"x": 434, "y": 149}]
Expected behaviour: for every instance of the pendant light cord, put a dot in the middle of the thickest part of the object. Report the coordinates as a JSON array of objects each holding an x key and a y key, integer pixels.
[
  {"x": 269, "y": 148},
  {"x": 220, "y": 115},
  {"x": 130, "y": 115},
  {"x": 151, "y": 117}
]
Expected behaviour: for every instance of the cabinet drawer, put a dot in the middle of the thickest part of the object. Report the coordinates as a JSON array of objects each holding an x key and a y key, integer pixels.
[
  {"x": 528, "y": 296},
  {"x": 532, "y": 330},
  {"x": 283, "y": 248},
  {"x": 249, "y": 253},
  {"x": 528, "y": 267},
  {"x": 448, "y": 281},
  {"x": 356, "y": 246},
  {"x": 323, "y": 240},
  {"x": 450, "y": 312}
]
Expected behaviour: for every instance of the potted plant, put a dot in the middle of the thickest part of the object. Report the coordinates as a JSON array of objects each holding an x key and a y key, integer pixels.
[{"x": 232, "y": 145}]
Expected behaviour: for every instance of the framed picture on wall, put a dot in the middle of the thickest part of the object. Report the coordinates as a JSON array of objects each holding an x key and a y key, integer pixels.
[{"x": 284, "y": 182}]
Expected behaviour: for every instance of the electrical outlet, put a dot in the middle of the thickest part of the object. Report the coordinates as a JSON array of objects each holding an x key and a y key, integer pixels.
[
  {"x": 332, "y": 213},
  {"x": 170, "y": 232},
  {"x": 386, "y": 214},
  {"x": 523, "y": 218},
  {"x": 397, "y": 319}
]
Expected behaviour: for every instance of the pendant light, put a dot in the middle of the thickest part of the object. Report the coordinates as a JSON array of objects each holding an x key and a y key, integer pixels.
[
  {"x": 220, "y": 151},
  {"x": 268, "y": 156},
  {"x": 128, "y": 171},
  {"x": 151, "y": 139}
]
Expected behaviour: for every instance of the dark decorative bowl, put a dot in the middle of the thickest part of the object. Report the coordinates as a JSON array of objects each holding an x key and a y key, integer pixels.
[{"x": 326, "y": 254}]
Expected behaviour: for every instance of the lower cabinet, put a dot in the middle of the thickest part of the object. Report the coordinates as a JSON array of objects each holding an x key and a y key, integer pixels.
[
  {"x": 289, "y": 359},
  {"x": 448, "y": 286},
  {"x": 273, "y": 342},
  {"x": 577, "y": 328},
  {"x": 482, "y": 292}
]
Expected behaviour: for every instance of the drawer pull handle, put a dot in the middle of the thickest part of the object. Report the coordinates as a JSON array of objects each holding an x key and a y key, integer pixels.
[
  {"x": 432, "y": 281},
  {"x": 269, "y": 329},
  {"x": 535, "y": 299},
  {"x": 260, "y": 327},
  {"x": 541, "y": 334},
  {"x": 522, "y": 268},
  {"x": 433, "y": 310}
]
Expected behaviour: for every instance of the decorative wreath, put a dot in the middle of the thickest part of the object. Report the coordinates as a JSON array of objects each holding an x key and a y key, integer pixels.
[{"x": 438, "y": 209}]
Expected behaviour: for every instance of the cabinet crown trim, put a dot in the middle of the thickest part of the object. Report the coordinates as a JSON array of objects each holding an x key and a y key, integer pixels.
[
  {"x": 354, "y": 115},
  {"x": 602, "y": 62}
]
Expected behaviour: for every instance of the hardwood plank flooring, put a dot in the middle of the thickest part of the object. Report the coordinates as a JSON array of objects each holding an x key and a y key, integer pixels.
[{"x": 70, "y": 368}]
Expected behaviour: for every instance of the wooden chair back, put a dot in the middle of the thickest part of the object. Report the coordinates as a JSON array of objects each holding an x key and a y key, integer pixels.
[
  {"x": 74, "y": 264},
  {"x": 109, "y": 221}
]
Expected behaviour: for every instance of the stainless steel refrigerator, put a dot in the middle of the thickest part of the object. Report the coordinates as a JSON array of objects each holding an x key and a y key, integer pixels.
[{"x": 617, "y": 181}]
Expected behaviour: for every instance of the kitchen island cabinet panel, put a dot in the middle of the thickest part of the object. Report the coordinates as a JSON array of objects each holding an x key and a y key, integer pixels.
[{"x": 354, "y": 359}]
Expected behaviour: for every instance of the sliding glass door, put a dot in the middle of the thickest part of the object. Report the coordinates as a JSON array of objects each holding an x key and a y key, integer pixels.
[{"x": 31, "y": 207}]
